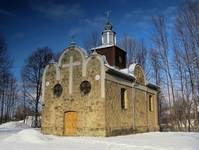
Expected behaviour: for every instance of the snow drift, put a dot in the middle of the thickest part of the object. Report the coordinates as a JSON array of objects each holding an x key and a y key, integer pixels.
[
  {"x": 27, "y": 136},
  {"x": 14, "y": 137},
  {"x": 33, "y": 139}
]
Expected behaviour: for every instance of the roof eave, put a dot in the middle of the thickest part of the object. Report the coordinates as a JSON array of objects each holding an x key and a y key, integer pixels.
[{"x": 120, "y": 74}]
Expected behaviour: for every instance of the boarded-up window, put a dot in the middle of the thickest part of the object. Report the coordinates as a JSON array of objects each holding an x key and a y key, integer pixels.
[
  {"x": 151, "y": 103},
  {"x": 124, "y": 98}
]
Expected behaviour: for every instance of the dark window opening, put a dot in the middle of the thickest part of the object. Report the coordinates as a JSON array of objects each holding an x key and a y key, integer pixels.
[
  {"x": 123, "y": 98},
  {"x": 85, "y": 87},
  {"x": 57, "y": 90},
  {"x": 150, "y": 103}
]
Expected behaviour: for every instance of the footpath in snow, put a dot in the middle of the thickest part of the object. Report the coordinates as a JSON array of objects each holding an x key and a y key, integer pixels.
[{"x": 32, "y": 139}]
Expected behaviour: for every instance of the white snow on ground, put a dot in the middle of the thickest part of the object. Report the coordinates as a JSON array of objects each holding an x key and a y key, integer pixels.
[
  {"x": 33, "y": 139},
  {"x": 10, "y": 128},
  {"x": 14, "y": 124}
]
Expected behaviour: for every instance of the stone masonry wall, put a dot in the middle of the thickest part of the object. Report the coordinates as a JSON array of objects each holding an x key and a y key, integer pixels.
[
  {"x": 97, "y": 114},
  {"x": 153, "y": 115},
  {"x": 118, "y": 121},
  {"x": 89, "y": 108},
  {"x": 141, "y": 123}
]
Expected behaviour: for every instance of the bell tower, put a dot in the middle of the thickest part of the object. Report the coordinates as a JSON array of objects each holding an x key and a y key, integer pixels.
[
  {"x": 115, "y": 56},
  {"x": 108, "y": 36}
]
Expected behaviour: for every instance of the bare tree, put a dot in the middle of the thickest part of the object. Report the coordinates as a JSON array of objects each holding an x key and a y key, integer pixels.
[
  {"x": 32, "y": 74},
  {"x": 130, "y": 45},
  {"x": 93, "y": 40},
  {"x": 187, "y": 36},
  {"x": 11, "y": 97},
  {"x": 175, "y": 64},
  {"x": 156, "y": 70},
  {"x": 160, "y": 39},
  {"x": 8, "y": 88},
  {"x": 136, "y": 52}
]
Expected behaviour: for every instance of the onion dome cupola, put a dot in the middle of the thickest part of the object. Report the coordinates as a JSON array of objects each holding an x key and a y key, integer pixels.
[
  {"x": 115, "y": 56},
  {"x": 108, "y": 36}
]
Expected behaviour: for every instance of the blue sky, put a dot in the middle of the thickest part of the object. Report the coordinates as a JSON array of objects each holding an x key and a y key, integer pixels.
[{"x": 29, "y": 24}]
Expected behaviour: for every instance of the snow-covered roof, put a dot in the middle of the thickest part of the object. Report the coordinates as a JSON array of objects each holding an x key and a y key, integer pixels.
[
  {"x": 129, "y": 72},
  {"x": 125, "y": 70},
  {"x": 152, "y": 85},
  {"x": 101, "y": 46},
  {"x": 132, "y": 68},
  {"x": 106, "y": 46},
  {"x": 120, "y": 71}
]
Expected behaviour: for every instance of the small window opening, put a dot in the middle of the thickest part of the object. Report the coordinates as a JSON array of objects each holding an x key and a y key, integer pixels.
[
  {"x": 150, "y": 103},
  {"x": 124, "y": 98}
]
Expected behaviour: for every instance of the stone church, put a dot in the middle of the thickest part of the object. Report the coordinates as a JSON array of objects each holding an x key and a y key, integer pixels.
[{"x": 97, "y": 94}]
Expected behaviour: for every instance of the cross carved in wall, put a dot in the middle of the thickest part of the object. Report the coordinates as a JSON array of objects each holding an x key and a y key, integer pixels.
[{"x": 71, "y": 65}]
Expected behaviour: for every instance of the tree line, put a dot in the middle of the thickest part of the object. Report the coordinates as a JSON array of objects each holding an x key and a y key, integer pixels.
[
  {"x": 8, "y": 86},
  {"x": 171, "y": 62},
  {"x": 22, "y": 98}
]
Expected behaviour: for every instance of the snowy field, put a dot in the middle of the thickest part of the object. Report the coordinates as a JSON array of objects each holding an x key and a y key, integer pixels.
[{"x": 17, "y": 136}]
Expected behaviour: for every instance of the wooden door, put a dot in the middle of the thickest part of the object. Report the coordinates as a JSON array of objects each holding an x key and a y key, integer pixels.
[{"x": 70, "y": 123}]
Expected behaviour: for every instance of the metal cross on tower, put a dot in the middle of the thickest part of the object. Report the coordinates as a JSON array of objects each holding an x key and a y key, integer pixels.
[
  {"x": 72, "y": 40},
  {"x": 108, "y": 15}
]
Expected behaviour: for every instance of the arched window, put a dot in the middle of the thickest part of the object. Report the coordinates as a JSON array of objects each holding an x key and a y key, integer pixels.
[{"x": 124, "y": 98}]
